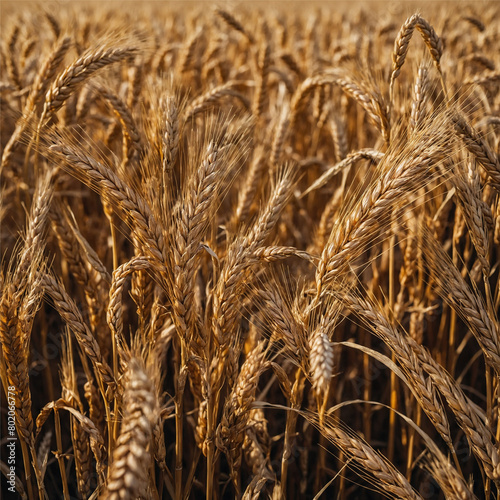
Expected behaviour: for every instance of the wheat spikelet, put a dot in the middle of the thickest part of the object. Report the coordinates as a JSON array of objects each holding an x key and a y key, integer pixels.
[
  {"x": 485, "y": 78},
  {"x": 256, "y": 446},
  {"x": 192, "y": 218},
  {"x": 370, "y": 99},
  {"x": 86, "y": 268},
  {"x": 47, "y": 71},
  {"x": 401, "y": 44},
  {"x": 365, "y": 154},
  {"x": 476, "y": 22},
  {"x": 326, "y": 222},
  {"x": 425, "y": 392},
  {"x": 275, "y": 253},
  {"x": 254, "y": 489},
  {"x": 43, "y": 452},
  {"x": 33, "y": 241},
  {"x": 474, "y": 211},
  {"x": 466, "y": 302},
  {"x": 290, "y": 61},
  {"x": 54, "y": 24},
  {"x": 473, "y": 425},
  {"x": 87, "y": 425},
  {"x": 187, "y": 57},
  {"x": 374, "y": 464},
  {"x": 407, "y": 273},
  {"x": 280, "y": 135},
  {"x": 134, "y": 74},
  {"x": 269, "y": 217},
  {"x": 321, "y": 360},
  {"x": 44, "y": 75},
  {"x": 286, "y": 328},
  {"x": 363, "y": 220},
  {"x": 432, "y": 40},
  {"x": 451, "y": 483},
  {"x": 480, "y": 60},
  {"x": 16, "y": 362},
  {"x": 339, "y": 138},
  {"x": 18, "y": 304},
  {"x": 115, "y": 308},
  {"x": 247, "y": 193},
  {"x": 82, "y": 452},
  {"x": 94, "y": 401},
  {"x": 27, "y": 50},
  {"x": 170, "y": 139}
]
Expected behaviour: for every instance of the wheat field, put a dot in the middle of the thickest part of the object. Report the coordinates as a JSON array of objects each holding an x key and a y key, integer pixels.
[{"x": 250, "y": 250}]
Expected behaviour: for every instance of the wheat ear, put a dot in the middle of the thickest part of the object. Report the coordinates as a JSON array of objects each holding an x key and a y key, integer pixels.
[
  {"x": 78, "y": 72},
  {"x": 134, "y": 209},
  {"x": 232, "y": 22},
  {"x": 231, "y": 431},
  {"x": 128, "y": 476},
  {"x": 43, "y": 77},
  {"x": 479, "y": 148},
  {"x": 73, "y": 318}
]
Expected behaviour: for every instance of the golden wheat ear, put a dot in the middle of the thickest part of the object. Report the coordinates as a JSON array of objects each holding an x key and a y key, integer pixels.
[{"x": 131, "y": 459}]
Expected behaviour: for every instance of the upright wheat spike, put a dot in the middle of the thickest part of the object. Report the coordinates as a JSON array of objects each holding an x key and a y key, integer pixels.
[
  {"x": 170, "y": 138},
  {"x": 128, "y": 476},
  {"x": 232, "y": 22},
  {"x": 420, "y": 97},
  {"x": 230, "y": 433},
  {"x": 261, "y": 90},
  {"x": 11, "y": 61},
  {"x": 43, "y": 77}
]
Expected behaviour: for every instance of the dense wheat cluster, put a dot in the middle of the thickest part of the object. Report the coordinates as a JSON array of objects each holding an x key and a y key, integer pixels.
[{"x": 250, "y": 253}]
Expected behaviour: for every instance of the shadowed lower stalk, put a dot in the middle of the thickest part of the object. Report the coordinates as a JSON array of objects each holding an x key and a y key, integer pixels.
[
  {"x": 291, "y": 423},
  {"x": 179, "y": 429},
  {"x": 394, "y": 381},
  {"x": 210, "y": 449},
  {"x": 60, "y": 455}
]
